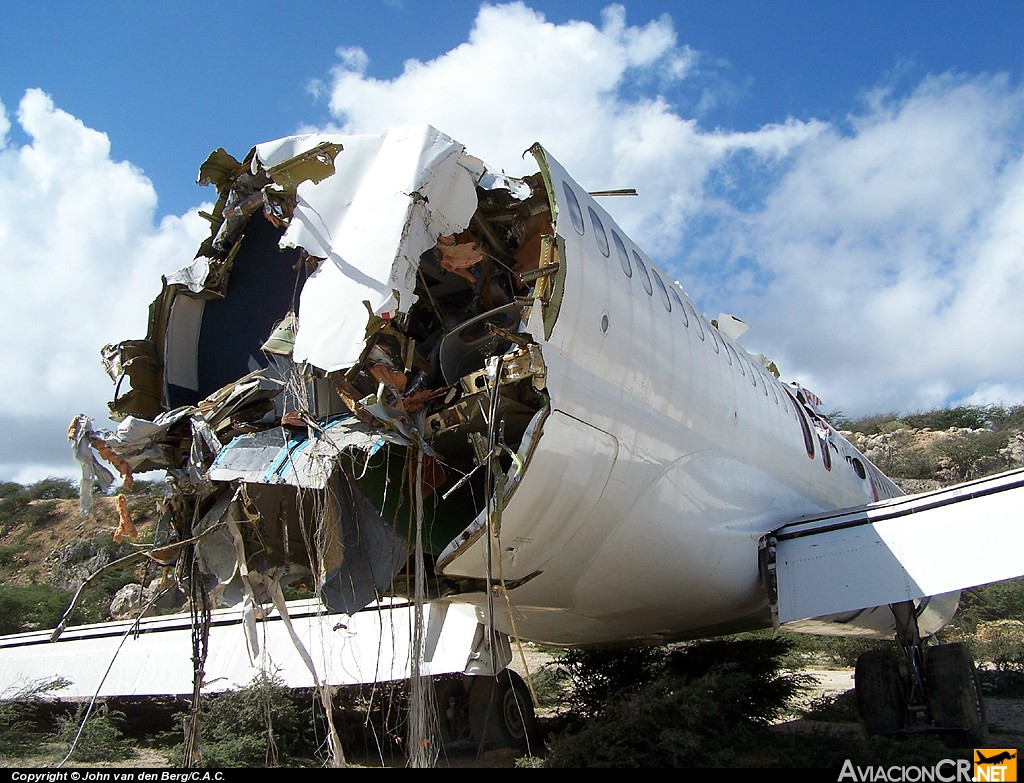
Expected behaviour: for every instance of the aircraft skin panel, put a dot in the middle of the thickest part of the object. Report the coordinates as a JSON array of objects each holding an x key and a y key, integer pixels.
[
  {"x": 375, "y": 265},
  {"x": 582, "y": 457}
]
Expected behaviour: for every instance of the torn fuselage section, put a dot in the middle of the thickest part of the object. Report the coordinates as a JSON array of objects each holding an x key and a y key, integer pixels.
[{"x": 343, "y": 377}]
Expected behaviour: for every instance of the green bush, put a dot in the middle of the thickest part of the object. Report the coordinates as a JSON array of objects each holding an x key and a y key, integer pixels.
[
  {"x": 659, "y": 724},
  {"x": 9, "y": 554},
  {"x": 691, "y": 705},
  {"x": 867, "y": 425},
  {"x": 53, "y": 488},
  {"x": 261, "y": 725},
  {"x": 988, "y": 603},
  {"x": 30, "y": 607},
  {"x": 975, "y": 417},
  {"x": 972, "y": 454},
  {"x": 34, "y": 504},
  {"x": 912, "y": 463},
  {"x": 20, "y": 732},
  {"x": 94, "y": 735}
]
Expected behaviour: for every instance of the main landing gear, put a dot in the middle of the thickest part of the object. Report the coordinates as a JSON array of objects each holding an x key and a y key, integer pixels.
[
  {"x": 488, "y": 711},
  {"x": 920, "y": 689}
]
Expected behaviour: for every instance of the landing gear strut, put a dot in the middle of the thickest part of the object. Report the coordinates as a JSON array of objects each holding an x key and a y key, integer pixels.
[{"x": 930, "y": 688}]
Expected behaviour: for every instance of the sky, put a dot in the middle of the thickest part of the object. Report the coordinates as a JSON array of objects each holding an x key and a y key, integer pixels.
[{"x": 847, "y": 178}]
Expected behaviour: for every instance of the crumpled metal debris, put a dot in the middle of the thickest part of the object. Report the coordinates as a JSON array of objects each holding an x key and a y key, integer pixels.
[{"x": 361, "y": 289}]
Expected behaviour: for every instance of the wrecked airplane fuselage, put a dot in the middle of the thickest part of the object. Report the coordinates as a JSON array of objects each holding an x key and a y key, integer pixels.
[
  {"x": 390, "y": 367},
  {"x": 323, "y": 384}
]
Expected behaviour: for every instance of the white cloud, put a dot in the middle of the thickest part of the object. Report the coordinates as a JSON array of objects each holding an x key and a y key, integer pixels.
[
  {"x": 82, "y": 260},
  {"x": 5, "y": 126},
  {"x": 594, "y": 96},
  {"x": 877, "y": 261},
  {"x": 895, "y": 251}
]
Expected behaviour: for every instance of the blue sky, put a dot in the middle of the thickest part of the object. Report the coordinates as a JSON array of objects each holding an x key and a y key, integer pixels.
[{"x": 848, "y": 178}]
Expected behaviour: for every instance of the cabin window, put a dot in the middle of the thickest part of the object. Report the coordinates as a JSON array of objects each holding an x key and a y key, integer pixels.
[
  {"x": 599, "y": 233},
  {"x": 662, "y": 292},
  {"x": 644, "y": 277},
  {"x": 728, "y": 352},
  {"x": 858, "y": 468},
  {"x": 808, "y": 437},
  {"x": 739, "y": 361},
  {"x": 805, "y": 427},
  {"x": 696, "y": 318},
  {"x": 757, "y": 372},
  {"x": 679, "y": 306},
  {"x": 753, "y": 374},
  {"x": 575, "y": 213},
  {"x": 620, "y": 249},
  {"x": 714, "y": 339}
]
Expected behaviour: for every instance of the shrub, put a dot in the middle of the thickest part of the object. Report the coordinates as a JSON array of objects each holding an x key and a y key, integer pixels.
[
  {"x": 30, "y": 607},
  {"x": 658, "y": 724},
  {"x": 972, "y": 417},
  {"x": 20, "y": 733},
  {"x": 912, "y": 463},
  {"x": 53, "y": 488},
  {"x": 972, "y": 454},
  {"x": 691, "y": 705},
  {"x": 867, "y": 425},
  {"x": 261, "y": 725},
  {"x": 989, "y": 603},
  {"x": 94, "y": 735}
]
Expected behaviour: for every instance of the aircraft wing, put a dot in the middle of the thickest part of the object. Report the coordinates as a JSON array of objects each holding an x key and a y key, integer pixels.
[{"x": 906, "y": 548}]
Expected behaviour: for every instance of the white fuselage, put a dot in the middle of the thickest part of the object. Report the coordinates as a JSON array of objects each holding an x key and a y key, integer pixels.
[{"x": 667, "y": 454}]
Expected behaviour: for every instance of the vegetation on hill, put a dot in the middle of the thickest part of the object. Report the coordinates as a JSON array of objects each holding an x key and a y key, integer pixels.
[{"x": 945, "y": 445}]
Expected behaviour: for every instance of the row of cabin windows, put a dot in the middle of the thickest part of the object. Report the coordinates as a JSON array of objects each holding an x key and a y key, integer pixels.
[{"x": 666, "y": 294}]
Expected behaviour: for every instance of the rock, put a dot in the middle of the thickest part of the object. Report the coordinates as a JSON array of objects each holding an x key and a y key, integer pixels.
[
  {"x": 73, "y": 563},
  {"x": 127, "y": 602}
]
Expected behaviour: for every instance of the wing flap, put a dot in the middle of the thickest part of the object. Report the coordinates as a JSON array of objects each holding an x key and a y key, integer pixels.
[{"x": 903, "y": 549}]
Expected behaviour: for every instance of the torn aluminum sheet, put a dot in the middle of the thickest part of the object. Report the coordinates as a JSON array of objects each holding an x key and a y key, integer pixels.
[
  {"x": 411, "y": 186},
  {"x": 94, "y": 473},
  {"x": 373, "y": 552},
  {"x": 262, "y": 535}
]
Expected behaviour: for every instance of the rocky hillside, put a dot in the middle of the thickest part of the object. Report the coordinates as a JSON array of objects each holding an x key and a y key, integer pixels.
[{"x": 924, "y": 459}]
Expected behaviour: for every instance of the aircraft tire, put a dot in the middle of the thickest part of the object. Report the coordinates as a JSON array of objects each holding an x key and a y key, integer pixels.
[
  {"x": 501, "y": 711},
  {"x": 452, "y": 710},
  {"x": 881, "y": 693},
  {"x": 955, "y": 703}
]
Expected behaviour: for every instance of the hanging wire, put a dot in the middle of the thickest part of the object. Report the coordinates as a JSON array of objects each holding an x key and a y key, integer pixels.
[
  {"x": 421, "y": 752},
  {"x": 200, "y": 610}
]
